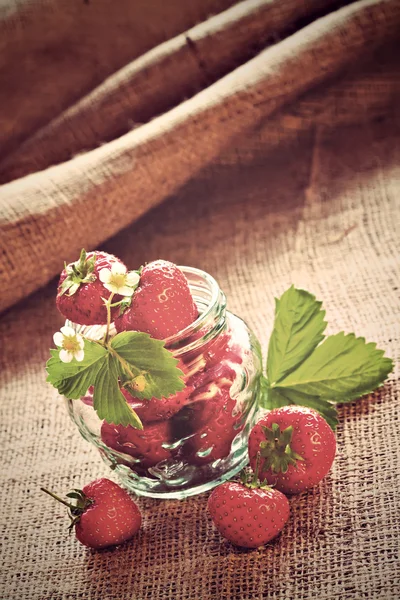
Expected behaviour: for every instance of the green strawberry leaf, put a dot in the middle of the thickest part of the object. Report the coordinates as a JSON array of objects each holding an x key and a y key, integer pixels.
[
  {"x": 301, "y": 370},
  {"x": 147, "y": 360},
  {"x": 298, "y": 329},
  {"x": 324, "y": 407},
  {"x": 108, "y": 401},
  {"x": 73, "y": 379},
  {"x": 341, "y": 369},
  {"x": 263, "y": 392},
  {"x": 131, "y": 358},
  {"x": 274, "y": 399}
]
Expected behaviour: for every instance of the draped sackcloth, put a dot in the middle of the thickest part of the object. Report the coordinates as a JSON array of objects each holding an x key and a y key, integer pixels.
[{"x": 259, "y": 141}]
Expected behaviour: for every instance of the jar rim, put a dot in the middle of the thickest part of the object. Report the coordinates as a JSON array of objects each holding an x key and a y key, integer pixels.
[{"x": 215, "y": 295}]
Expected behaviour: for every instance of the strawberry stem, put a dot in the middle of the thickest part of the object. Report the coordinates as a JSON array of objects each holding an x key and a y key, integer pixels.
[
  {"x": 256, "y": 470},
  {"x": 67, "y": 504},
  {"x": 108, "y": 309},
  {"x": 126, "y": 367},
  {"x": 116, "y": 303}
]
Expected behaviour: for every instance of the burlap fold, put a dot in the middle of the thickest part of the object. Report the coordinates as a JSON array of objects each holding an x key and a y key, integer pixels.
[
  {"x": 160, "y": 79},
  {"x": 44, "y": 214}
]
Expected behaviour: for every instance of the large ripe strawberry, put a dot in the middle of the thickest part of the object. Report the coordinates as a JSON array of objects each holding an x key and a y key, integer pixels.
[
  {"x": 103, "y": 514},
  {"x": 80, "y": 291},
  {"x": 248, "y": 514},
  {"x": 162, "y": 305},
  {"x": 222, "y": 423},
  {"x": 146, "y": 445},
  {"x": 297, "y": 448}
]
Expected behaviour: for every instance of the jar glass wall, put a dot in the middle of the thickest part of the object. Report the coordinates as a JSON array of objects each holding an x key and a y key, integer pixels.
[{"x": 197, "y": 439}]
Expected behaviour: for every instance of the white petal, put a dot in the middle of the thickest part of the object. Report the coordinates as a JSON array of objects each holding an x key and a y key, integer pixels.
[
  {"x": 132, "y": 278},
  {"x": 65, "y": 356},
  {"x": 125, "y": 291},
  {"x": 105, "y": 275},
  {"x": 67, "y": 331},
  {"x": 118, "y": 269},
  {"x": 58, "y": 338},
  {"x": 111, "y": 287},
  {"x": 80, "y": 341},
  {"x": 79, "y": 355}
]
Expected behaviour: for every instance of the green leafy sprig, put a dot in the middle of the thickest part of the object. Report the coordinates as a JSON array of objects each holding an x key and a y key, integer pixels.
[
  {"x": 130, "y": 359},
  {"x": 304, "y": 367}
]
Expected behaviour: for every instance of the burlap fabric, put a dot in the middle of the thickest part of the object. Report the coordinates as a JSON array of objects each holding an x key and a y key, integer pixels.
[{"x": 284, "y": 171}]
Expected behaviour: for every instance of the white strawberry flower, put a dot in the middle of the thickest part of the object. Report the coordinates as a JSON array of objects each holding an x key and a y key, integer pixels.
[
  {"x": 71, "y": 344},
  {"x": 118, "y": 280}
]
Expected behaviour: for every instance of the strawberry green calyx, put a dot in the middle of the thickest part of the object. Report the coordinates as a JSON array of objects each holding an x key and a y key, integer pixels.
[
  {"x": 276, "y": 451},
  {"x": 251, "y": 479},
  {"x": 78, "y": 272},
  {"x": 76, "y": 510}
]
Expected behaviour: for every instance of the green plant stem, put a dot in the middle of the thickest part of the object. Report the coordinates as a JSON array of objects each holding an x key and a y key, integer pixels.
[
  {"x": 67, "y": 504},
  {"x": 123, "y": 362},
  {"x": 256, "y": 470},
  {"x": 108, "y": 309},
  {"x": 116, "y": 303}
]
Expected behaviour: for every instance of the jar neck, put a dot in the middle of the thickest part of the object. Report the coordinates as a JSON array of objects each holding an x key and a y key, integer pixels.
[{"x": 211, "y": 303}]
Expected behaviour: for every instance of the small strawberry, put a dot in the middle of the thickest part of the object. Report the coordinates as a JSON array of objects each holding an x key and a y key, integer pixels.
[
  {"x": 222, "y": 375},
  {"x": 147, "y": 445},
  {"x": 216, "y": 364},
  {"x": 84, "y": 283},
  {"x": 224, "y": 348},
  {"x": 296, "y": 445},
  {"x": 103, "y": 514},
  {"x": 193, "y": 418},
  {"x": 222, "y": 423},
  {"x": 221, "y": 348},
  {"x": 248, "y": 514},
  {"x": 162, "y": 304},
  {"x": 158, "y": 409}
]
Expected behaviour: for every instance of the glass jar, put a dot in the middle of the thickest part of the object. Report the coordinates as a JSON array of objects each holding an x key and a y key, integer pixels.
[{"x": 197, "y": 441}]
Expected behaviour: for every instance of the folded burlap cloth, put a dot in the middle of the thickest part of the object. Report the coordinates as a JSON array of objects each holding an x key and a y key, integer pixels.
[
  {"x": 148, "y": 128},
  {"x": 271, "y": 131}
]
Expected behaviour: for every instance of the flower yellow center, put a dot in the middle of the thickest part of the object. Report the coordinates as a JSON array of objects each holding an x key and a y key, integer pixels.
[
  {"x": 71, "y": 344},
  {"x": 118, "y": 279}
]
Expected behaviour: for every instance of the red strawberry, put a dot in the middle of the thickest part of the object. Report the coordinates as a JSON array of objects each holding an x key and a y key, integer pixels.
[
  {"x": 103, "y": 514},
  {"x": 220, "y": 348},
  {"x": 162, "y": 305},
  {"x": 80, "y": 291},
  {"x": 196, "y": 415},
  {"x": 246, "y": 515},
  {"x": 161, "y": 409},
  {"x": 224, "y": 348},
  {"x": 296, "y": 447},
  {"x": 146, "y": 445},
  {"x": 216, "y": 363},
  {"x": 222, "y": 375},
  {"x": 213, "y": 440}
]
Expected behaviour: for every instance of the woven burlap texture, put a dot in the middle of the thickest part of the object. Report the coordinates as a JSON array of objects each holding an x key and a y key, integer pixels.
[
  {"x": 308, "y": 196},
  {"x": 43, "y": 214}
]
